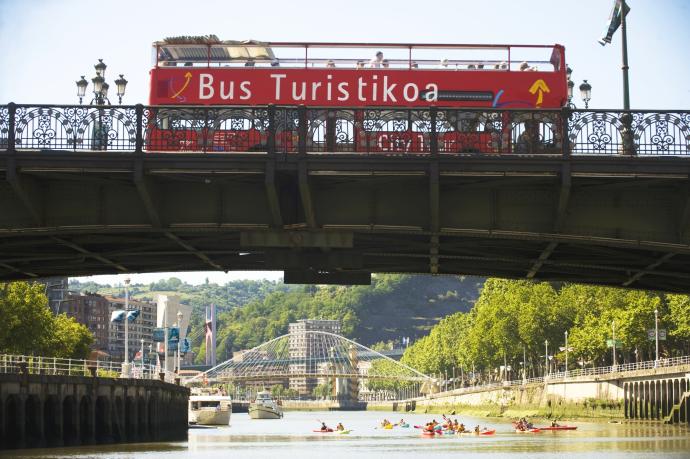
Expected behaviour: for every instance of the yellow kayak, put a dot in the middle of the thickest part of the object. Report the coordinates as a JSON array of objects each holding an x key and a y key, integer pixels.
[{"x": 388, "y": 426}]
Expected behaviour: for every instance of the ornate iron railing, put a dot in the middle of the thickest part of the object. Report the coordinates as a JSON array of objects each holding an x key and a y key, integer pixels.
[{"x": 305, "y": 130}]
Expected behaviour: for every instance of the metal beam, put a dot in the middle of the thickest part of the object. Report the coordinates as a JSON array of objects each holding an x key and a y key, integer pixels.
[
  {"x": 95, "y": 256},
  {"x": 144, "y": 190},
  {"x": 648, "y": 269},
  {"x": 200, "y": 255},
  {"x": 20, "y": 187},
  {"x": 298, "y": 239},
  {"x": 305, "y": 194},
  {"x": 561, "y": 208},
  {"x": 17, "y": 270},
  {"x": 434, "y": 216},
  {"x": 272, "y": 194},
  {"x": 684, "y": 223}
]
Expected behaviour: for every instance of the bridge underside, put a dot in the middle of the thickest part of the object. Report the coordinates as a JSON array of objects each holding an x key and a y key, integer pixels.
[{"x": 336, "y": 218}]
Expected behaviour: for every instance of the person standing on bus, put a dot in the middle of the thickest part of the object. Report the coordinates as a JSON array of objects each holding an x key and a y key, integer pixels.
[{"x": 376, "y": 61}]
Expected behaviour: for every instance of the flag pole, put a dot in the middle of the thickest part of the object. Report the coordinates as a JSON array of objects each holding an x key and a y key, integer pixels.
[{"x": 626, "y": 84}]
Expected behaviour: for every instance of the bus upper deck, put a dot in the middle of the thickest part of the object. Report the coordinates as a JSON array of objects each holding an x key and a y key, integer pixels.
[{"x": 208, "y": 71}]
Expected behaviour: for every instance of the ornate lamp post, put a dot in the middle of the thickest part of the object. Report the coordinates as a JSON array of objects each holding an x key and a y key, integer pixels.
[
  {"x": 100, "y": 86},
  {"x": 125, "y": 364},
  {"x": 586, "y": 93},
  {"x": 179, "y": 343},
  {"x": 585, "y": 90}
]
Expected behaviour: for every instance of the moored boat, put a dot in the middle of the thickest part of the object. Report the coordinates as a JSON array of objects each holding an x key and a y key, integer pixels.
[
  {"x": 264, "y": 407},
  {"x": 210, "y": 410}
]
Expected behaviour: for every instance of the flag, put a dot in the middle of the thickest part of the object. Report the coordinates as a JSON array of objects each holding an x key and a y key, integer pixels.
[
  {"x": 132, "y": 315},
  {"x": 117, "y": 315},
  {"x": 614, "y": 21}
]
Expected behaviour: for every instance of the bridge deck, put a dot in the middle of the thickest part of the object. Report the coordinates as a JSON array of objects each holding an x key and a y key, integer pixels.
[{"x": 333, "y": 216}]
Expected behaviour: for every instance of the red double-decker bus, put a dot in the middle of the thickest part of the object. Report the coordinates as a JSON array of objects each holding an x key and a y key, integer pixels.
[{"x": 356, "y": 93}]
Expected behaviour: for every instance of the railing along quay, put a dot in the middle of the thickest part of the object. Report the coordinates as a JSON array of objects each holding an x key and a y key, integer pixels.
[
  {"x": 28, "y": 364},
  {"x": 372, "y": 130},
  {"x": 606, "y": 371}
]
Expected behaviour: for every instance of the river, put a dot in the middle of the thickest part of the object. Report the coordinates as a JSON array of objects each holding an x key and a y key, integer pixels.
[{"x": 292, "y": 437}]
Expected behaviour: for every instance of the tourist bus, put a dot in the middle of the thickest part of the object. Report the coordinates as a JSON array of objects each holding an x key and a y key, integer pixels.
[{"x": 214, "y": 95}]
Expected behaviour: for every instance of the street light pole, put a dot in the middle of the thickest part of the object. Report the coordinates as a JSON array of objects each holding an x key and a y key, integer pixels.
[
  {"x": 179, "y": 342},
  {"x": 546, "y": 358},
  {"x": 566, "y": 353},
  {"x": 656, "y": 337},
  {"x": 624, "y": 36},
  {"x": 524, "y": 365},
  {"x": 613, "y": 333},
  {"x": 125, "y": 365}
]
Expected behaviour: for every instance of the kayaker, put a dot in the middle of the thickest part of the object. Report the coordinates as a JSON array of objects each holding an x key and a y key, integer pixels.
[
  {"x": 476, "y": 429},
  {"x": 429, "y": 427},
  {"x": 554, "y": 423},
  {"x": 324, "y": 427},
  {"x": 340, "y": 427},
  {"x": 402, "y": 422},
  {"x": 461, "y": 427}
]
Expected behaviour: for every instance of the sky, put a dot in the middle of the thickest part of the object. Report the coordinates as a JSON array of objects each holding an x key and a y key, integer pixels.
[{"x": 49, "y": 44}]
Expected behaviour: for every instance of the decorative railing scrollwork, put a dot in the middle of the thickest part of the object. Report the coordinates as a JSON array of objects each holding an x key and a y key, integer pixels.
[{"x": 356, "y": 130}]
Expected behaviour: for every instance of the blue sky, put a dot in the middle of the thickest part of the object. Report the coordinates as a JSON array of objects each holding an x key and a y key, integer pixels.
[{"x": 48, "y": 44}]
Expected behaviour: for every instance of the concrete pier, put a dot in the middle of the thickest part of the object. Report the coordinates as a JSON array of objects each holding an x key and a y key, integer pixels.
[{"x": 45, "y": 411}]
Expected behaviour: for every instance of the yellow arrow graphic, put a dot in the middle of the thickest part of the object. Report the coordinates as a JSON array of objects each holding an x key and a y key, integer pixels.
[
  {"x": 541, "y": 87},
  {"x": 188, "y": 76}
]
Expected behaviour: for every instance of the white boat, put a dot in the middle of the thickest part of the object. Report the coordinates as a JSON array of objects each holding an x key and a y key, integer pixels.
[
  {"x": 210, "y": 410},
  {"x": 264, "y": 407}
]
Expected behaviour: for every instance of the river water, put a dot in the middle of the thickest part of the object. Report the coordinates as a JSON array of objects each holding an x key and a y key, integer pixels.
[{"x": 292, "y": 437}]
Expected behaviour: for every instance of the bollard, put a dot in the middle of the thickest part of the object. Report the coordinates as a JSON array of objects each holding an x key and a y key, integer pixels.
[{"x": 161, "y": 376}]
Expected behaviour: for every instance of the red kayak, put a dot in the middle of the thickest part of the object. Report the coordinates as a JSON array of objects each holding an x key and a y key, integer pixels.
[
  {"x": 533, "y": 430},
  {"x": 559, "y": 428},
  {"x": 323, "y": 431},
  {"x": 430, "y": 433},
  {"x": 487, "y": 432}
]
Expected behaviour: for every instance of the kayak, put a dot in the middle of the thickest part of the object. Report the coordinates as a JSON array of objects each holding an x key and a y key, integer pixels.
[
  {"x": 534, "y": 430},
  {"x": 429, "y": 433},
  {"x": 343, "y": 432},
  {"x": 559, "y": 428},
  {"x": 388, "y": 426},
  {"x": 404, "y": 426},
  {"x": 323, "y": 431},
  {"x": 488, "y": 432}
]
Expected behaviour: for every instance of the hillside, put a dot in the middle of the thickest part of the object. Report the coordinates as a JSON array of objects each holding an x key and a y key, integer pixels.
[{"x": 251, "y": 312}]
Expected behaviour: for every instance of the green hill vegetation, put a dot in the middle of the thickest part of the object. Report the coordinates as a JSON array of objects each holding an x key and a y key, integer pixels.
[
  {"x": 512, "y": 317},
  {"x": 252, "y": 312}
]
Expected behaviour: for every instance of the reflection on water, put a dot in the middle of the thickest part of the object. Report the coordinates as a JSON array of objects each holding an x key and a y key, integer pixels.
[{"x": 292, "y": 437}]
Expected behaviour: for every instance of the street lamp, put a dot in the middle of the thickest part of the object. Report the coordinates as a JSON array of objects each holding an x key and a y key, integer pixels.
[
  {"x": 142, "y": 356},
  {"x": 613, "y": 333},
  {"x": 546, "y": 358},
  {"x": 566, "y": 353},
  {"x": 179, "y": 343},
  {"x": 586, "y": 93},
  {"x": 100, "y": 87},
  {"x": 125, "y": 364},
  {"x": 585, "y": 90},
  {"x": 656, "y": 337}
]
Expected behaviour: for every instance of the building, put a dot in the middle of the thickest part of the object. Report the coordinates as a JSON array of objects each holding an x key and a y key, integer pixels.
[
  {"x": 142, "y": 327},
  {"x": 56, "y": 291},
  {"x": 305, "y": 350},
  {"x": 91, "y": 310},
  {"x": 167, "y": 307}
]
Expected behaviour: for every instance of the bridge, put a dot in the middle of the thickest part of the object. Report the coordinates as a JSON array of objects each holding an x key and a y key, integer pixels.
[
  {"x": 301, "y": 362},
  {"x": 598, "y": 196}
]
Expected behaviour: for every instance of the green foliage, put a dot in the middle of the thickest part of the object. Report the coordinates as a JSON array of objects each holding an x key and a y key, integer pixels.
[
  {"x": 512, "y": 317},
  {"x": 382, "y": 368},
  {"x": 28, "y": 326},
  {"x": 323, "y": 390}
]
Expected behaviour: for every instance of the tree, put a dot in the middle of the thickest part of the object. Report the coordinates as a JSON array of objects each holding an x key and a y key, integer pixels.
[
  {"x": 28, "y": 326},
  {"x": 25, "y": 320}
]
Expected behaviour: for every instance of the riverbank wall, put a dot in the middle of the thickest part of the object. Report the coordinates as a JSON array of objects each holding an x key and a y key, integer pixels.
[{"x": 50, "y": 410}]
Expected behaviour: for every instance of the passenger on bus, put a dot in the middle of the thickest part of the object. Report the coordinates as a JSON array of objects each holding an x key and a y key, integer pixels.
[
  {"x": 249, "y": 63},
  {"x": 376, "y": 61},
  {"x": 524, "y": 67},
  {"x": 360, "y": 65},
  {"x": 414, "y": 65},
  {"x": 385, "y": 64},
  {"x": 529, "y": 140},
  {"x": 275, "y": 62},
  {"x": 444, "y": 63},
  {"x": 330, "y": 64},
  {"x": 471, "y": 67}
]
